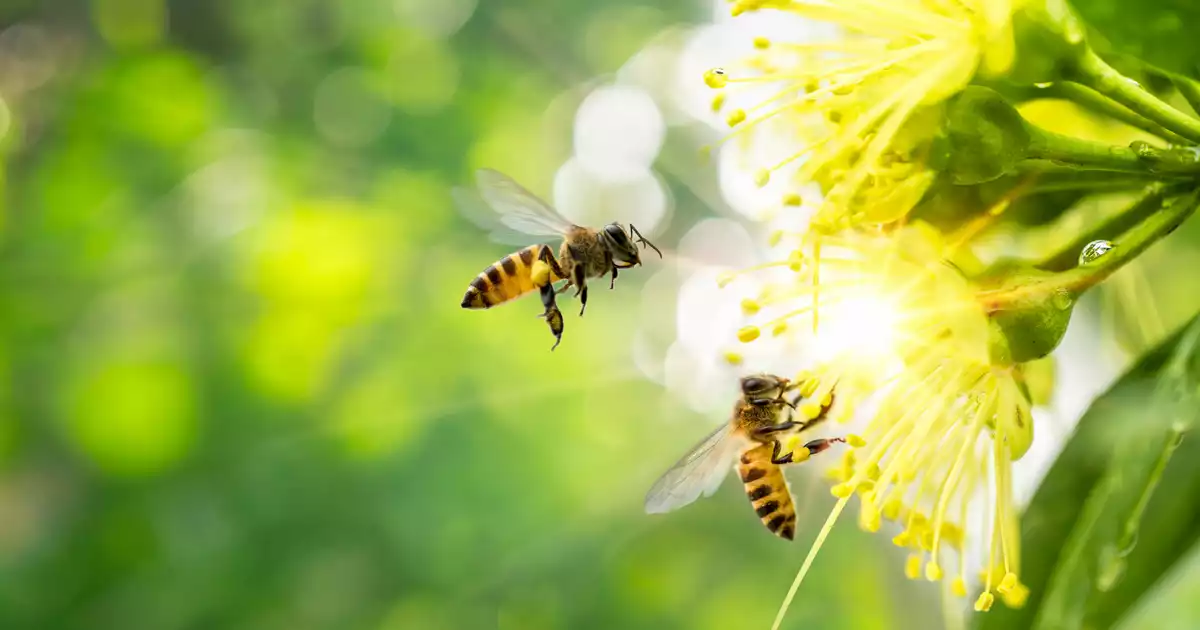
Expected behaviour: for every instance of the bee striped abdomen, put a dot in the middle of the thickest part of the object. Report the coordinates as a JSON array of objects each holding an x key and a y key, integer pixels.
[
  {"x": 507, "y": 279},
  {"x": 768, "y": 491}
]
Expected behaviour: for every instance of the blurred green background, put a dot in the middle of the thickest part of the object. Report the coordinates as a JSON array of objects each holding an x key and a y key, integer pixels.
[{"x": 238, "y": 390}]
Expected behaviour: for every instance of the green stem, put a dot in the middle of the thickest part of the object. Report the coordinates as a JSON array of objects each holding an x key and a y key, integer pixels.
[
  {"x": 1093, "y": 72},
  {"x": 1079, "y": 279},
  {"x": 1148, "y": 203},
  {"x": 1189, "y": 89},
  {"x": 1085, "y": 154},
  {"x": 1096, "y": 102}
]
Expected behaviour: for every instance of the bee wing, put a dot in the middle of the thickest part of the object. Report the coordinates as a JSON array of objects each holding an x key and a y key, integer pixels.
[
  {"x": 700, "y": 472},
  {"x": 508, "y": 210}
]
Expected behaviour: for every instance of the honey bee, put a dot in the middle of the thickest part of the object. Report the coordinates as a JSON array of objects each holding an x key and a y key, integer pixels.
[
  {"x": 585, "y": 252},
  {"x": 751, "y": 438}
]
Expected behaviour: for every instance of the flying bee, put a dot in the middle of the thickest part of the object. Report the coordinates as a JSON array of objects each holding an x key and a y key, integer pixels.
[
  {"x": 751, "y": 439},
  {"x": 585, "y": 252}
]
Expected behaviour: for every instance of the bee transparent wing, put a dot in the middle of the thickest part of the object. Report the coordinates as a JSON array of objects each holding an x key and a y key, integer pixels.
[
  {"x": 510, "y": 212},
  {"x": 699, "y": 473}
]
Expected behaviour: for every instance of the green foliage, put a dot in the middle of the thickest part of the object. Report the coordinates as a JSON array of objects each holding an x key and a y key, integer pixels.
[
  {"x": 1117, "y": 511},
  {"x": 1160, "y": 32}
]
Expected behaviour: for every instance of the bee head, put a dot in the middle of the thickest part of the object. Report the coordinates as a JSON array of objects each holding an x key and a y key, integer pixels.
[
  {"x": 617, "y": 240},
  {"x": 764, "y": 386}
]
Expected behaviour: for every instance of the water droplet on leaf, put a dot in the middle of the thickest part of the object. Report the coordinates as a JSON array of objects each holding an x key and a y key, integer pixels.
[{"x": 1094, "y": 251}]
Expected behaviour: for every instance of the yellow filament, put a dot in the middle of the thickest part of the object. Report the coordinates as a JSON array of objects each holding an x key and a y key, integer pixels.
[
  {"x": 808, "y": 560},
  {"x": 949, "y": 485}
]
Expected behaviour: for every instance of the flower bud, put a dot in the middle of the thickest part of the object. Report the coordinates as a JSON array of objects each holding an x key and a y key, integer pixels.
[
  {"x": 986, "y": 136},
  {"x": 1029, "y": 316}
]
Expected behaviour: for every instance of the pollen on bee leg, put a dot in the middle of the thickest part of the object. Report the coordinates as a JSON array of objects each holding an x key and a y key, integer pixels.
[{"x": 539, "y": 273}]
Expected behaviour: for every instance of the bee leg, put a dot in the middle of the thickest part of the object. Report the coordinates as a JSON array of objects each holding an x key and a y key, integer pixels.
[
  {"x": 614, "y": 277},
  {"x": 546, "y": 255},
  {"x": 816, "y": 446},
  {"x": 583, "y": 300},
  {"x": 776, "y": 459},
  {"x": 782, "y": 426},
  {"x": 552, "y": 315}
]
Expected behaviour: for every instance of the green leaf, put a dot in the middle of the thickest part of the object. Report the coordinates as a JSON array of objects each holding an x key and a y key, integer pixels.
[
  {"x": 1161, "y": 32},
  {"x": 1121, "y": 505}
]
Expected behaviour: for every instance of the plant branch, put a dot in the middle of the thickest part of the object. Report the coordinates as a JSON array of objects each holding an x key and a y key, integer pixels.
[
  {"x": 1156, "y": 224},
  {"x": 1150, "y": 201},
  {"x": 1096, "y": 102},
  {"x": 1093, "y": 72}
]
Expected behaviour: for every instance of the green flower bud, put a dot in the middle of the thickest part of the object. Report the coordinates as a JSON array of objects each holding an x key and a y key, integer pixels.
[
  {"x": 986, "y": 136},
  {"x": 1028, "y": 318}
]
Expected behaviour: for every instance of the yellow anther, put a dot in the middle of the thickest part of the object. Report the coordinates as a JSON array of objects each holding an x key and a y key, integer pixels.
[
  {"x": 748, "y": 334},
  {"x": 762, "y": 43},
  {"x": 903, "y": 539},
  {"x": 724, "y": 278},
  {"x": 926, "y": 540},
  {"x": 952, "y": 534},
  {"x": 842, "y": 490},
  {"x": 736, "y": 116},
  {"x": 855, "y": 440},
  {"x": 933, "y": 572},
  {"x": 774, "y": 238},
  {"x": 809, "y": 387},
  {"x": 1016, "y": 597},
  {"x": 718, "y": 101},
  {"x": 779, "y": 329},
  {"x": 827, "y": 399},
  {"x": 912, "y": 566},
  {"x": 733, "y": 358},
  {"x": 762, "y": 177},
  {"x": 749, "y": 306},
  {"x": 873, "y": 472},
  {"x": 891, "y": 509},
  {"x": 792, "y": 199},
  {"x": 959, "y": 587},
  {"x": 984, "y": 603},
  {"x": 539, "y": 273},
  {"x": 868, "y": 518},
  {"x": 796, "y": 263},
  {"x": 715, "y": 78},
  {"x": 810, "y": 410},
  {"x": 1007, "y": 583},
  {"x": 865, "y": 486}
]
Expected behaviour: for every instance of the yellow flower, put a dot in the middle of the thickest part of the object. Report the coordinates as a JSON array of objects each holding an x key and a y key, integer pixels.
[
  {"x": 904, "y": 329},
  {"x": 865, "y": 105}
]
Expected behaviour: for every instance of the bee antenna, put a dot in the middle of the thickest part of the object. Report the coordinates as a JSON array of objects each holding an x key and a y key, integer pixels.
[{"x": 645, "y": 243}]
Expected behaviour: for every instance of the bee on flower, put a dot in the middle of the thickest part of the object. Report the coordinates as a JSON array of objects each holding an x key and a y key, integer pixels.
[{"x": 905, "y": 337}]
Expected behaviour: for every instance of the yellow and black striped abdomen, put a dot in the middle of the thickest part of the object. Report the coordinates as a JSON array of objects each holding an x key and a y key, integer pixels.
[
  {"x": 507, "y": 279},
  {"x": 768, "y": 491}
]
